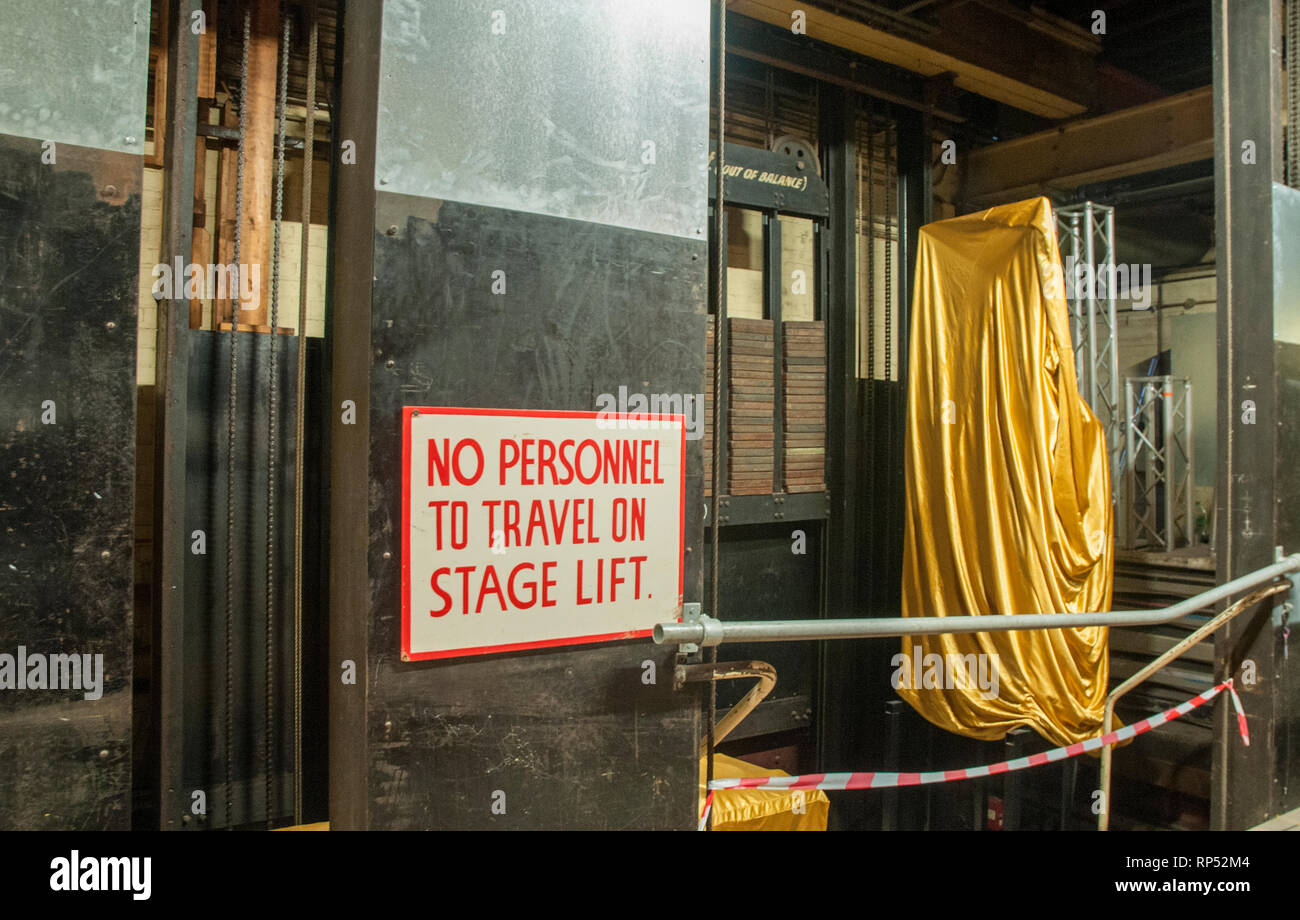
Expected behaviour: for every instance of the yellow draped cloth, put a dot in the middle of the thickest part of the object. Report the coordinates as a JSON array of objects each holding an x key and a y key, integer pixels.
[
  {"x": 761, "y": 809},
  {"x": 1008, "y": 489}
]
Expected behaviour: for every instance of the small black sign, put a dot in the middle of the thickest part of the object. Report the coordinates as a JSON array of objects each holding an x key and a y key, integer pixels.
[{"x": 758, "y": 178}]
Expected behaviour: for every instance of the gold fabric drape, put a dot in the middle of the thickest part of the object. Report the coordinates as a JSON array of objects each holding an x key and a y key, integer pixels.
[
  {"x": 1008, "y": 490},
  {"x": 762, "y": 809}
]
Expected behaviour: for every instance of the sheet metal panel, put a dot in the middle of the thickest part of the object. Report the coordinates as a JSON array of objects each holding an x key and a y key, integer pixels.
[
  {"x": 595, "y": 110},
  {"x": 573, "y": 737},
  {"x": 75, "y": 72},
  {"x": 69, "y": 251}
]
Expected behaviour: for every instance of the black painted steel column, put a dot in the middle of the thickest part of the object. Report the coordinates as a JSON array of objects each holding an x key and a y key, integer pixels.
[
  {"x": 171, "y": 407},
  {"x": 348, "y": 343},
  {"x": 836, "y": 709},
  {"x": 1246, "y": 781}
]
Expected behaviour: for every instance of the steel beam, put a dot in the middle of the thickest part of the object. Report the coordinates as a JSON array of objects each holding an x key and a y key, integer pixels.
[
  {"x": 348, "y": 344},
  {"x": 171, "y": 408},
  {"x": 837, "y": 663},
  {"x": 1246, "y": 781}
]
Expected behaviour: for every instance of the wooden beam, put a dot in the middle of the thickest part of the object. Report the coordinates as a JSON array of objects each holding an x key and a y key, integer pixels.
[
  {"x": 208, "y": 53},
  {"x": 1170, "y": 132},
  {"x": 201, "y": 240},
  {"x": 258, "y": 115},
  {"x": 158, "y": 63},
  {"x": 911, "y": 55},
  {"x": 227, "y": 163}
]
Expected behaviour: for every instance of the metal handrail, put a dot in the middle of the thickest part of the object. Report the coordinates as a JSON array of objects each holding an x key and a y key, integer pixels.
[
  {"x": 707, "y": 631},
  {"x": 1170, "y": 654}
]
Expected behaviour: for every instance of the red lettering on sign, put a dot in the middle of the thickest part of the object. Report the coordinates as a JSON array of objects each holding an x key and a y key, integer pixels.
[{"x": 448, "y": 462}]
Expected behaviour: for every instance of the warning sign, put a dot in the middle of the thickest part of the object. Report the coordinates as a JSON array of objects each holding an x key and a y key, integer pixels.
[{"x": 532, "y": 529}]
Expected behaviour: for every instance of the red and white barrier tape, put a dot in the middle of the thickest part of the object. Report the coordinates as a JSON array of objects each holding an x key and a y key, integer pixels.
[
  {"x": 708, "y": 804},
  {"x": 837, "y": 781}
]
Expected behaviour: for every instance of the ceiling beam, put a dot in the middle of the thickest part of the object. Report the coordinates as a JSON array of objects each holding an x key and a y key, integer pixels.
[
  {"x": 1010, "y": 83},
  {"x": 1168, "y": 132}
]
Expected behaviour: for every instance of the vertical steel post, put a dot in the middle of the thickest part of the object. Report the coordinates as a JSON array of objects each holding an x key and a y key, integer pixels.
[
  {"x": 1130, "y": 469},
  {"x": 1247, "y": 783},
  {"x": 300, "y": 407},
  {"x": 1013, "y": 783},
  {"x": 1114, "y": 423},
  {"x": 1075, "y": 304},
  {"x": 1189, "y": 454},
  {"x": 1090, "y": 254},
  {"x": 893, "y": 734},
  {"x": 348, "y": 347},
  {"x": 772, "y": 286},
  {"x": 1169, "y": 446},
  {"x": 172, "y": 413},
  {"x": 837, "y": 663}
]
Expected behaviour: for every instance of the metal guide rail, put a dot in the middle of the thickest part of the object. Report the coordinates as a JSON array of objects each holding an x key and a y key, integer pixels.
[{"x": 703, "y": 630}]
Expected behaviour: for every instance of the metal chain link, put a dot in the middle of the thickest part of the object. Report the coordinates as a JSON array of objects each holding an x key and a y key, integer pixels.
[
  {"x": 891, "y": 167},
  {"x": 871, "y": 246},
  {"x": 1293, "y": 93},
  {"x": 719, "y": 352},
  {"x": 273, "y": 391},
  {"x": 230, "y": 445},
  {"x": 300, "y": 413}
]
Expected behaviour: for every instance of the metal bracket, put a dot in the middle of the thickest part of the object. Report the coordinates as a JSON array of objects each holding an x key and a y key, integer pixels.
[
  {"x": 691, "y": 613},
  {"x": 1289, "y": 601}
]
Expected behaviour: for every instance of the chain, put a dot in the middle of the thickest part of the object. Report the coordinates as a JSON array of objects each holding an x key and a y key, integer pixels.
[
  {"x": 890, "y": 173},
  {"x": 871, "y": 248},
  {"x": 272, "y": 466},
  {"x": 719, "y": 352},
  {"x": 300, "y": 417},
  {"x": 230, "y": 445}
]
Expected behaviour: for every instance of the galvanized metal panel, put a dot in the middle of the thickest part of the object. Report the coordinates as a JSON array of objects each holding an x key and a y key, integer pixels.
[
  {"x": 1286, "y": 270},
  {"x": 74, "y": 72},
  {"x": 594, "y": 110}
]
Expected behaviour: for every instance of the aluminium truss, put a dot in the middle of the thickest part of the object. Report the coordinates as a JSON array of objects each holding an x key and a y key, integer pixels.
[
  {"x": 1158, "y": 463},
  {"x": 1086, "y": 234}
]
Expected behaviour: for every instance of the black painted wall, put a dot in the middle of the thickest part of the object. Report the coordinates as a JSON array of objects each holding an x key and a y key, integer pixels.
[
  {"x": 573, "y": 737},
  {"x": 69, "y": 269}
]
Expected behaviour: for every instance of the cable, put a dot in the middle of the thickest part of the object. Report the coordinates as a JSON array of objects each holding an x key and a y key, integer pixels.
[
  {"x": 235, "y": 305},
  {"x": 272, "y": 466},
  {"x": 719, "y": 352},
  {"x": 300, "y": 417}
]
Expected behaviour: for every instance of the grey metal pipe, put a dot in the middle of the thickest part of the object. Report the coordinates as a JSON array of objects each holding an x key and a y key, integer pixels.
[{"x": 715, "y": 632}]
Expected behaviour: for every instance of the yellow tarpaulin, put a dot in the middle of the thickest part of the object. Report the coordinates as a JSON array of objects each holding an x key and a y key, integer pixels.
[
  {"x": 762, "y": 809},
  {"x": 1008, "y": 490}
]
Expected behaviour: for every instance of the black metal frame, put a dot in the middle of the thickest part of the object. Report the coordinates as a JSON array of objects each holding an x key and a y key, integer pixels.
[
  {"x": 172, "y": 413},
  {"x": 1247, "y": 782},
  {"x": 779, "y": 506},
  {"x": 352, "y": 214}
]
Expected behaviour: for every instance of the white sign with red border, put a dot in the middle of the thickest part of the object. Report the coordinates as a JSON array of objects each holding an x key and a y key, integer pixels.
[{"x": 528, "y": 529}]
